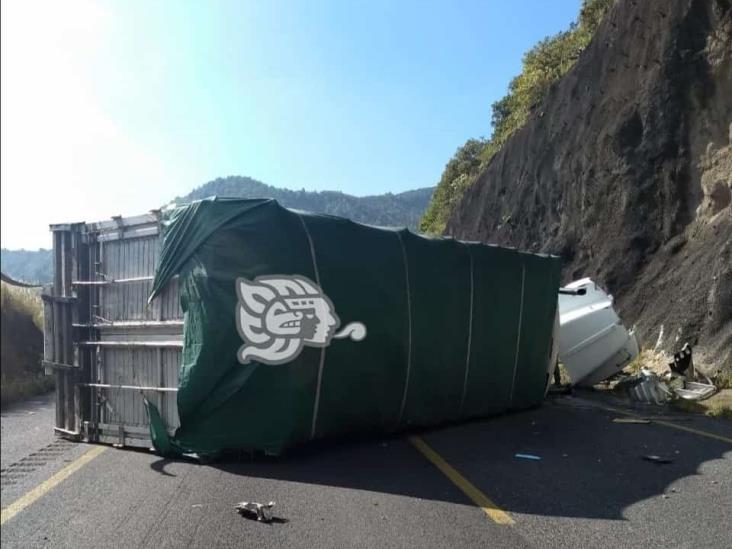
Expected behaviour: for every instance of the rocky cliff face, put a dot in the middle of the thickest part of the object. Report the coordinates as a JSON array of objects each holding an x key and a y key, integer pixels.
[{"x": 625, "y": 170}]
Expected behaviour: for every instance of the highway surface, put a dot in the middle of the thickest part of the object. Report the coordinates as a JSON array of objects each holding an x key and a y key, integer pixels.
[{"x": 459, "y": 486}]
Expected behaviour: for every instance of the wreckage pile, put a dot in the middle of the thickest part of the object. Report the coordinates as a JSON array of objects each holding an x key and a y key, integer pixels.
[{"x": 682, "y": 381}]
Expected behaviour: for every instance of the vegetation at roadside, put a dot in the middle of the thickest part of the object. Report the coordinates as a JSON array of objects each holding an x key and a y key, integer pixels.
[
  {"x": 719, "y": 405},
  {"x": 543, "y": 65},
  {"x": 21, "y": 344}
]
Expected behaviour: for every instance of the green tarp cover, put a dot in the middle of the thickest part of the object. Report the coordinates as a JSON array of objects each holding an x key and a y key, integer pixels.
[{"x": 301, "y": 326}]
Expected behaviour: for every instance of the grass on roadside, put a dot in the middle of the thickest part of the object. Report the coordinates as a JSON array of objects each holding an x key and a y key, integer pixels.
[
  {"x": 719, "y": 405},
  {"x": 19, "y": 389},
  {"x": 21, "y": 344}
]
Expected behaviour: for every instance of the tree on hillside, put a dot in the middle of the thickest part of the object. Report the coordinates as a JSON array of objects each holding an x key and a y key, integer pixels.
[{"x": 542, "y": 65}]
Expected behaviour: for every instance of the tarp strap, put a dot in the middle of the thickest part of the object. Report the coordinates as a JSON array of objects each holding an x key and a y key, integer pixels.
[
  {"x": 409, "y": 330},
  {"x": 321, "y": 362},
  {"x": 470, "y": 336},
  {"x": 518, "y": 335}
]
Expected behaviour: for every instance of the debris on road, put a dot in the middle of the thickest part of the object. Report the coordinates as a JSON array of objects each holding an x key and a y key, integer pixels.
[
  {"x": 681, "y": 381},
  {"x": 693, "y": 386},
  {"x": 631, "y": 420},
  {"x": 646, "y": 387},
  {"x": 658, "y": 459},
  {"x": 528, "y": 456},
  {"x": 253, "y": 510}
]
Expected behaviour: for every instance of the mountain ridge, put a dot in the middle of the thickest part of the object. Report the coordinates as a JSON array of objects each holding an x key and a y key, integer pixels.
[{"x": 388, "y": 209}]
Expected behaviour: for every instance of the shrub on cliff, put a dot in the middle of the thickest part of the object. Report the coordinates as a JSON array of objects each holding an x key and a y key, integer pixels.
[{"x": 542, "y": 65}]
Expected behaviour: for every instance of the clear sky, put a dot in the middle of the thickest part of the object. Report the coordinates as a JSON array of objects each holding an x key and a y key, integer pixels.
[{"x": 116, "y": 107}]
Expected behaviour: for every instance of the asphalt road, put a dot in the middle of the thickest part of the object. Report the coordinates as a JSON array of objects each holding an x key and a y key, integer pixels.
[{"x": 591, "y": 487}]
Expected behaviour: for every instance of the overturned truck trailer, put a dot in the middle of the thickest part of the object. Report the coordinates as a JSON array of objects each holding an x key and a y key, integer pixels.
[{"x": 231, "y": 323}]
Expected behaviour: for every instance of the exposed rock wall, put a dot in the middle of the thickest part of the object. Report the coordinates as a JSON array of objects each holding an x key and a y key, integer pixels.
[{"x": 625, "y": 171}]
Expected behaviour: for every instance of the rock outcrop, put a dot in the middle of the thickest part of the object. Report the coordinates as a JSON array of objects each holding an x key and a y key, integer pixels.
[{"x": 625, "y": 170}]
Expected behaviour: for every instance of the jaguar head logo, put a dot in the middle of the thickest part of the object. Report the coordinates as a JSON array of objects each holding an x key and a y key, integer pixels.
[{"x": 279, "y": 315}]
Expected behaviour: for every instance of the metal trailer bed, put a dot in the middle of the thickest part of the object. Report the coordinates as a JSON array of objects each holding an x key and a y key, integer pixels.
[{"x": 102, "y": 341}]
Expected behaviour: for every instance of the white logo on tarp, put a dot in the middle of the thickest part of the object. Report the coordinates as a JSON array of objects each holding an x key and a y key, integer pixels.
[{"x": 278, "y": 315}]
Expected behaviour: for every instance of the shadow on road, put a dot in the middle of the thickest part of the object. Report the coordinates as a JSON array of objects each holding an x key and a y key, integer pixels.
[
  {"x": 590, "y": 466},
  {"x": 159, "y": 466}
]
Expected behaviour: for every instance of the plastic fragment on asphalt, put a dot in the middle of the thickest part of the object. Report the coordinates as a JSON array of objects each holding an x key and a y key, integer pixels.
[
  {"x": 631, "y": 420},
  {"x": 251, "y": 509},
  {"x": 528, "y": 456},
  {"x": 658, "y": 459}
]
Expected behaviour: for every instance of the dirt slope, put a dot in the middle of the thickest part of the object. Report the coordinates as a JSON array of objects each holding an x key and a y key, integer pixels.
[{"x": 625, "y": 170}]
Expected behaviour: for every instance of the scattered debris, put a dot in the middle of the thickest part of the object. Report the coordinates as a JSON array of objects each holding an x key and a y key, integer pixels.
[
  {"x": 682, "y": 360},
  {"x": 696, "y": 391},
  {"x": 658, "y": 459},
  {"x": 253, "y": 510},
  {"x": 528, "y": 456},
  {"x": 631, "y": 420},
  {"x": 646, "y": 387},
  {"x": 681, "y": 381},
  {"x": 196, "y": 505},
  {"x": 693, "y": 387}
]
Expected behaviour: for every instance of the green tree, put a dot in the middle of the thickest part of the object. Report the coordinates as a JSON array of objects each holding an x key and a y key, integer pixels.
[{"x": 458, "y": 175}]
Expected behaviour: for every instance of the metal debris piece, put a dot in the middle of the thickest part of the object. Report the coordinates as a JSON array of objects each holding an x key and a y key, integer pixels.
[
  {"x": 694, "y": 390},
  {"x": 693, "y": 386},
  {"x": 682, "y": 360},
  {"x": 631, "y": 420},
  {"x": 647, "y": 387},
  {"x": 658, "y": 459},
  {"x": 528, "y": 456},
  {"x": 251, "y": 509}
]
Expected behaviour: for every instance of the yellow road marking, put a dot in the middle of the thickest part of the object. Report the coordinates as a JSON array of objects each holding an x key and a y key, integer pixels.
[
  {"x": 691, "y": 430},
  {"x": 42, "y": 489},
  {"x": 672, "y": 425},
  {"x": 497, "y": 514}
]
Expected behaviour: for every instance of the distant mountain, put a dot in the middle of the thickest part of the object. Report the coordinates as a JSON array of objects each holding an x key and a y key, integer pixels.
[
  {"x": 27, "y": 265},
  {"x": 388, "y": 210}
]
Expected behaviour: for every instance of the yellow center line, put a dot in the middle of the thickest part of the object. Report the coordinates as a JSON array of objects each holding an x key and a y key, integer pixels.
[
  {"x": 669, "y": 424},
  {"x": 42, "y": 489},
  {"x": 497, "y": 514}
]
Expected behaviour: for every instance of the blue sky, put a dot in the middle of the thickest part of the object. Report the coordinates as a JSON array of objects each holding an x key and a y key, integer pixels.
[{"x": 118, "y": 106}]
